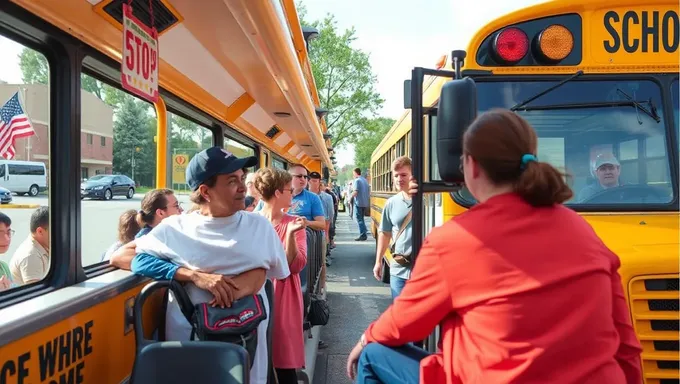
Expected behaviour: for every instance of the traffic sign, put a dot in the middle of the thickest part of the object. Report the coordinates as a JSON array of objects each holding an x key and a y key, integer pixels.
[
  {"x": 139, "y": 67},
  {"x": 179, "y": 168}
]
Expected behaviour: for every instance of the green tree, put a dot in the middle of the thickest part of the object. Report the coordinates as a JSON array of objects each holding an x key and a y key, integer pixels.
[
  {"x": 344, "y": 79},
  {"x": 34, "y": 67},
  {"x": 373, "y": 131},
  {"x": 133, "y": 138}
]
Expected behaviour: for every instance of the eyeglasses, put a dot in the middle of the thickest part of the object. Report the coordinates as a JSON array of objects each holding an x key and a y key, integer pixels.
[
  {"x": 291, "y": 190},
  {"x": 300, "y": 176},
  {"x": 9, "y": 233}
]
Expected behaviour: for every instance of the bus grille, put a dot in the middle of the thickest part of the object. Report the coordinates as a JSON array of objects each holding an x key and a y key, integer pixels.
[{"x": 655, "y": 305}]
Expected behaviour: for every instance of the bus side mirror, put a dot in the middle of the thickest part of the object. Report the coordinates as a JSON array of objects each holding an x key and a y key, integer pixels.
[{"x": 457, "y": 110}]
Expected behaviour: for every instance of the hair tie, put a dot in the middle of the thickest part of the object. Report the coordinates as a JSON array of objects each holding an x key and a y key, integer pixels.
[
  {"x": 527, "y": 158},
  {"x": 142, "y": 213}
]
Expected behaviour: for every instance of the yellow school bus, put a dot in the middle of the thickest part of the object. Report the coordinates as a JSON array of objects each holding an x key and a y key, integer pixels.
[
  {"x": 231, "y": 73},
  {"x": 594, "y": 78}
]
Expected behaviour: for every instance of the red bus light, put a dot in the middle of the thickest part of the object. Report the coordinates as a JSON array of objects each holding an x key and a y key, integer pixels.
[{"x": 511, "y": 45}]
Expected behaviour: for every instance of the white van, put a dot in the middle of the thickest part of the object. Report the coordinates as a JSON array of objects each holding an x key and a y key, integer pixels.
[{"x": 22, "y": 177}]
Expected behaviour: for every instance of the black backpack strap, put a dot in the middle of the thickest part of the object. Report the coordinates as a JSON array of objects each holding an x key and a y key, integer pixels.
[{"x": 183, "y": 300}]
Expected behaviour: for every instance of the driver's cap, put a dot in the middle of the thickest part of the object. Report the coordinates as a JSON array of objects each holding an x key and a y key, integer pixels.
[{"x": 605, "y": 158}]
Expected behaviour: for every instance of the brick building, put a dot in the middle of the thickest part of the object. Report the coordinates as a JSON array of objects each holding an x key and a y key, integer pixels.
[{"x": 96, "y": 134}]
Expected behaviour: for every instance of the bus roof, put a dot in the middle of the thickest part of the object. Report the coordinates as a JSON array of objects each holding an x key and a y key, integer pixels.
[{"x": 244, "y": 63}]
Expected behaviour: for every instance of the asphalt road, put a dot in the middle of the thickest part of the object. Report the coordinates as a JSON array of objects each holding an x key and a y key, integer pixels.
[
  {"x": 99, "y": 226},
  {"x": 355, "y": 299}
]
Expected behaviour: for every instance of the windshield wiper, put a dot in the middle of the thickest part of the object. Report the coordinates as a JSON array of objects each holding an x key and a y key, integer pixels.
[
  {"x": 638, "y": 107},
  {"x": 548, "y": 90},
  {"x": 622, "y": 103}
]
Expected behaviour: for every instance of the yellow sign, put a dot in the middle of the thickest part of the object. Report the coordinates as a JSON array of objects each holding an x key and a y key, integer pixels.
[
  {"x": 635, "y": 35},
  {"x": 179, "y": 168}
]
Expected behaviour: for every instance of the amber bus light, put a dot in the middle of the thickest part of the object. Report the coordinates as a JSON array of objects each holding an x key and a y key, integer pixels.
[
  {"x": 555, "y": 43},
  {"x": 511, "y": 45}
]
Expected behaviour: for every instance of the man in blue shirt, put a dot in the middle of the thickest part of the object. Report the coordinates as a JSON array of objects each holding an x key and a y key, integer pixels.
[
  {"x": 306, "y": 204},
  {"x": 360, "y": 194}
]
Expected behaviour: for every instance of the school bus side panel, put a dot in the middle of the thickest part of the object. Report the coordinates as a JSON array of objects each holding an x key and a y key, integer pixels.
[{"x": 96, "y": 345}]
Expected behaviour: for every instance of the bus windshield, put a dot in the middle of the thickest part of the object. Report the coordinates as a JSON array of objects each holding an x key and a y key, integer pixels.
[{"x": 614, "y": 151}]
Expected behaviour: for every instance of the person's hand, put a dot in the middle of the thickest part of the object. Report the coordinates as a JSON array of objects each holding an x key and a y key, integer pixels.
[
  {"x": 352, "y": 361},
  {"x": 5, "y": 283},
  {"x": 299, "y": 223},
  {"x": 412, "y": 187},
  {"x": 221, "y": 287},
  {"x": 378, "y": 270}
]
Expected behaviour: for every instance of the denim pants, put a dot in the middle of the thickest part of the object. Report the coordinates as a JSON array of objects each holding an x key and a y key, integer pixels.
[
  {"x": 381, "y": 364},
  {"x": 359, "y": 215},
  {"x": 396, "y": 285}
]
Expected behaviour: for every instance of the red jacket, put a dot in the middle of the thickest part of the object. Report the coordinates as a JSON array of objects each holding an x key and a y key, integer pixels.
[{"x": 522, "y": 294}]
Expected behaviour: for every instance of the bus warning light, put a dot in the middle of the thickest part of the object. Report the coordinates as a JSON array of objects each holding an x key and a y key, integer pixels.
[
  {"x": 511, "y": 45},
  {"x": 555, "y": 43}
]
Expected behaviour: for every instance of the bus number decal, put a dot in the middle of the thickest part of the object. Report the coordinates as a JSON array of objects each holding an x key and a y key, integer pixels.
[
  {"x": 60, "y": 360},
  {"x": 633, "y": 30}
]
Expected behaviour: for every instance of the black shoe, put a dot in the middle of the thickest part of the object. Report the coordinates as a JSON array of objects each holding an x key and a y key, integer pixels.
[{"x": 361, "y": 238}]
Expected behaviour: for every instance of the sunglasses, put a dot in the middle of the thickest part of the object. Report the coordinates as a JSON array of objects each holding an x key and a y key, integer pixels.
[{"x": 300, "y": 176}]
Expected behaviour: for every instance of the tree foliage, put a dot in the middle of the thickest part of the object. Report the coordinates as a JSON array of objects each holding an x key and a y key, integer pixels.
[
  {"x": 344, "y": 79},
  {"x": 373, "y": 131}
]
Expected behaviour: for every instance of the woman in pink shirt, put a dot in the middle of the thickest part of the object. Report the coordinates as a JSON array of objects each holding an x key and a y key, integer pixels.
[
  {"x": 522, "y": 287},
  {"x": 288, "y": 347}
]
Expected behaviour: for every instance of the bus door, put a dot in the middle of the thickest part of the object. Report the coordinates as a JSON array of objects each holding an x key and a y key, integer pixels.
[{"x": 436, "y": 148}]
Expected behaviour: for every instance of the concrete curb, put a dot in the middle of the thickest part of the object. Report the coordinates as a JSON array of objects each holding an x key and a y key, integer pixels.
[
  {"x": 312, "y": 338},
  {"x": 18, "y": 206}
]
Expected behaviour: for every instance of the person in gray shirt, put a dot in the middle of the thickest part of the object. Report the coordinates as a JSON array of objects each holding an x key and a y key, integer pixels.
[
  {"x": 394, "y": 214},
  {"x": 360, "y": 194},
  {"x": 607, "y": 170}
]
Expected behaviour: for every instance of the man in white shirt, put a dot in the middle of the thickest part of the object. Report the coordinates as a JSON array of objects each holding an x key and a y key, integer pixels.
[
  {"x": 31, "y": 261},
  {"x": 219, "y": 238}
]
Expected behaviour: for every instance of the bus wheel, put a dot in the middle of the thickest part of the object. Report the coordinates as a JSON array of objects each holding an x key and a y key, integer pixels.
[{"x": 33, "y": 191}]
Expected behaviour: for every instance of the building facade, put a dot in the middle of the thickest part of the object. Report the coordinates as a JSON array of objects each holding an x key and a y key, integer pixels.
[{"x": 96, "y": 135}]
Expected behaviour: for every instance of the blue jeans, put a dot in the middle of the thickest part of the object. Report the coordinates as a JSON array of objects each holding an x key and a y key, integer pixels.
[
  {"x": 359, "y": 215},
  {"x": 396, "y": 285},
  {"x": 381, "y": 364}
]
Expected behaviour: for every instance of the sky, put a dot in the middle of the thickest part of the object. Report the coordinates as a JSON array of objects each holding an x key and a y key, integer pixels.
[
  {"x": 402, "y": 34},
  {"x": 398, "y": 35}
]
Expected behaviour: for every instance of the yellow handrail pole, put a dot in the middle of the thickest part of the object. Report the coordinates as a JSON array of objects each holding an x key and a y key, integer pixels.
[{"x": 161, "y": 143}]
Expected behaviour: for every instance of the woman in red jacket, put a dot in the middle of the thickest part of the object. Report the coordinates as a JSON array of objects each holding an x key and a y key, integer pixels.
[{"x": 523, "y": 288}]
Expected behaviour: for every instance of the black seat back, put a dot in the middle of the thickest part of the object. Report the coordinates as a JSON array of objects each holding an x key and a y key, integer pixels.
[
  {"x": 269, "y": 290},
  {"x": 181, "y": 362}
]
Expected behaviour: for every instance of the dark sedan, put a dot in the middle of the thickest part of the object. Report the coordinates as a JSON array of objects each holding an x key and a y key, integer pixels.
[
  {"x": 5, "y": 196},
  {"x": 105, "y": 187}
]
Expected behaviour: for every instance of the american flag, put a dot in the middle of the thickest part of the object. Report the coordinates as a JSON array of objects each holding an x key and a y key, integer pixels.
[{"x": 14, "y": 123}]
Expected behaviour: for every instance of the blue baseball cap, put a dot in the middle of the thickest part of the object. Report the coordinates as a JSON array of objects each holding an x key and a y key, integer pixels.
[{"x": 214, "y": 161}]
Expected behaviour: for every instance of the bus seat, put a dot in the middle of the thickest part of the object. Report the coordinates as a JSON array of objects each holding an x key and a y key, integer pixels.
[
  {"x": 142, "y": 297},
  {"x": 181, "y": 362}
]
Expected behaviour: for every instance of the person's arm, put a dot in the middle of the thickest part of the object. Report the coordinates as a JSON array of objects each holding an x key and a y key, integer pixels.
[
  {"x": 385, "y": 233},
  {"x": 122, "y": 257},
  {"x": 424, "y": 302},
  {"x": 300, "y": 259},
  {"x": 629, "y": 351},
  {"x": 319, "y": 222}
]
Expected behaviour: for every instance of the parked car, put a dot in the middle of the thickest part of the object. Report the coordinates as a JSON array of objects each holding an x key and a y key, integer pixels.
[
  {"x": 5, "y": 195},
  {"x": 106, "y": 187},
  {"x": 23, "y": 177}
]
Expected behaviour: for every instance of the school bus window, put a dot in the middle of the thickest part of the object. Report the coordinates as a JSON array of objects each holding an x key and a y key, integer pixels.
[
  {"x": 114, "y": 175},
  {"x": 24, "y": 167},
  {"x": 594, "y": 136},
  {"x": 239, "y": 149},
  {"x": 186, "y": 140}
]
